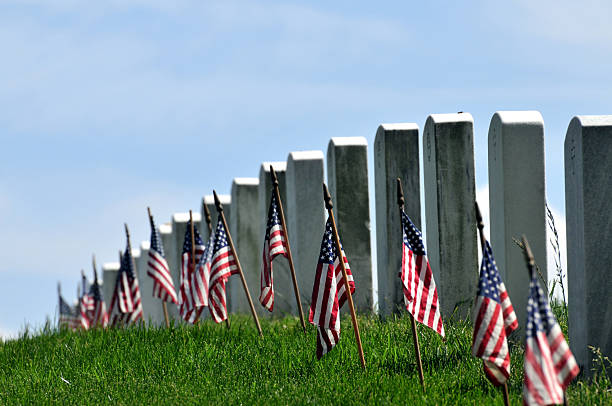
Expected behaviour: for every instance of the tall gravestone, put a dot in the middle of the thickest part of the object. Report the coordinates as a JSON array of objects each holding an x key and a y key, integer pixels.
[
  {"x": 245, "y": 234},
  {"x": 168, "y": 239},
  {"x": 209, "y": 202},
  {"x": 517, "y": 199},
  {"x": 588, "y": 203},
  {"x": 347, "y": 175},
  {"x": 109, "y": 277},
  {"x": 284, "y": 298},
  {"x": 305, "y": 216},
  {"x": 396, "y": 154},
  {"x": 448, "y": 166}
]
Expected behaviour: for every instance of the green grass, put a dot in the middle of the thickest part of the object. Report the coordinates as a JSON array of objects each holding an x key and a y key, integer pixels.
[{"x": 208, "y": 364}]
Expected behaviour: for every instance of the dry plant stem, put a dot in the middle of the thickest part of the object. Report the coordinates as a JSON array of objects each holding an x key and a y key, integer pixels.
[
  {"x": 231, "y": 244},
  {"x": 296, "y": 290},
  {"x": 164, "y": 305},
  {"x": 415, "y": 335},
  {"x": 483, "y": 247},
  {"x": 330, "y": 212}
]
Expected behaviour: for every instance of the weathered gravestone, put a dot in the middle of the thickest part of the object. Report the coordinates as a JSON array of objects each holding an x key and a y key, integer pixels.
[
  {"x": 168, "y": 239},
  {"x": 448, "y": 166},
  {"x": 396, "y": 154},
  {"x": 305, "y": 216},
  {"x": 588, "y": 202},
  {"x": 244, "y": 229},
  {"x": 347, "y": 175},
  {"x": 109, "y": 277},
  {"x": 284, "y": 297},
  {"x": 517, "y": 200}
]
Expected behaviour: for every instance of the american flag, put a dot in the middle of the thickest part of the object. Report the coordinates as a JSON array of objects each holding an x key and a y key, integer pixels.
[
  {"x": 549, "y": 364},
  {"x": 193, "y": 290},
  {"x": 126, "y": 306},
  {"x": 223, "y": 265},
  {"x": 68, "y": 316},
  {"x": 98, "y": 315},
  {"x": 86, "y": 304},
  {"x": 329, "y": 293},
  {"x": 420, "y": 293},
  {"x": 158, "y": 269},
  {"x": 274, "y": 244},
  {"x": 494, "y": 319}
]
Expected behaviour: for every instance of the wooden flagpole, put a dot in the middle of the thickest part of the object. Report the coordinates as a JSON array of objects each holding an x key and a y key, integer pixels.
[
  {"x": 165, "y": 307},
  {"x": 231, "y": 244},
  {"x": 483, "y": 247},
  {"x": 415, "y": 335},
  {"x": 210, "y": 230},
  {"x": 329, "y": 206},
  {"x": 296, "y": 290},
  {"x": 121, "y": 317}
]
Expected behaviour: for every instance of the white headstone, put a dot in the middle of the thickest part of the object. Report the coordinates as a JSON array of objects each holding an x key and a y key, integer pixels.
[
  {"x": 396, "y": 154},
  {"x": 109, "y": 277},
  {"x": 517, "y": 200},
  {"x": 448, "y": 166},
  {"x": 588, "y": 202},
  {"x": 347, "y": 175},
  {"x": 305, "y": 216},
  {"x": 244, "y": 229}
]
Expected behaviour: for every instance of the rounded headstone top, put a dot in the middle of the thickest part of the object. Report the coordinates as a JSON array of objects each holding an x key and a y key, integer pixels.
[
  {"x": 594, "y": 121},
  {"x": 279, "y": 166},
  {"x": 184, "y": 217},
  {"x": 519, "y": 117},
  {"x": 246, "y": 181},
  {"x": 451, "y": 118},
  {"x": 399, "y": 126},
  {"x": 135, "y": 252},
  {"x": 145, "y": 245},
  {"x": 305, "y": 155},
  {"x": 165, "y": 228},
  {"x": 341, "y": 141},
  {"x": 110, "y": 267},
  {"x": 224, "y": 199}
]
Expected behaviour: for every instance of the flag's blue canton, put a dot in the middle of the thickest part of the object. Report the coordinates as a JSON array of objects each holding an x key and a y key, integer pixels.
[
  {"x": 413, "y": 238},
  {"x": 328, "y": 247},
  {"x": 155, "y": 244},
  {"x": 539, "y": 315},
  {"x": 220, "y": 237},
  {"x": 273, "y": 216},
  {"x": 489, "y": 276},
  {"x": 127, "y": 264},
  {"x": 65, "y": 308},
  {"x": 95, "y": 291},
  {"x": 197, "y": 238}
]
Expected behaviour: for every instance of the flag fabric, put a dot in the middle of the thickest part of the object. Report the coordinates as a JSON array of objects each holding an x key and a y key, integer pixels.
[
  {"x": 223, "y": 265},
  {"x": 275, "y": 244},
  {"x": 549, "y": 364},
  {"x": 494, "y": 319},
  {"x": 419, "y": 286},
  {"x": 202, "y": 276},
  {"x": 86, "y": 305},
  {"x": 193, "y": 290},
  {"x": 69, "y": 317},
  {"x": 97, "y": 315},
  {"x": 158, "y": 269},
  {"x": 329, "y": 293},
  {"x": 126, "y": 306}
]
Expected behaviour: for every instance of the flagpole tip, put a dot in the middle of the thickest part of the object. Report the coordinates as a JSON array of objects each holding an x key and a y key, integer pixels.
[
  {"x": 528, "y": 254},
  {"x": 400, "y": 192},
  {"x": 218, "y": 204},
  {"x": 149, "y": 212},
  {"x": 274, "y": 178},
  {"x": 479, "y": 222},
  {"x": 327, "y": 197},
  {"x": 127, "y": 231}
]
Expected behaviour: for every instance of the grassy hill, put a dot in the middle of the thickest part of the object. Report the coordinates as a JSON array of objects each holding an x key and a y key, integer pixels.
[{"x": 208, "y": 364}]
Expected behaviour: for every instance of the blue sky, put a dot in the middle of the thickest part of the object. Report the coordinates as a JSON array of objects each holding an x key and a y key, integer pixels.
[{"x": 107, "y": 107}]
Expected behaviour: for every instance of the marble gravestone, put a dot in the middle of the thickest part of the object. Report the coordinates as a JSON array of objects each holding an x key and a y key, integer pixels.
[
  {"x": 517, "y": 200},
  {"x": 209, "y": 201},
  {"x": 109, "y": 278},
  {"x": 588, "y": 203},
  {"x": 305, "y": 215},
  {"x": 448, "y": 166},
  {"x": 284, "y": 298},
  {"x": 347, "y": 175},
  {"x": 396, "y": 154},
  {"x": 168, "y": 240},
  {"x": 244, "y": 229}
]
